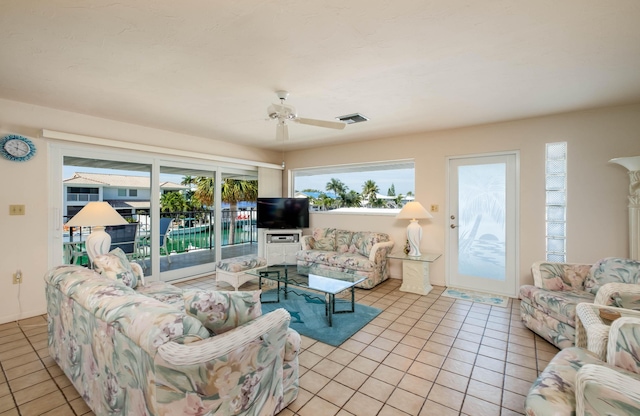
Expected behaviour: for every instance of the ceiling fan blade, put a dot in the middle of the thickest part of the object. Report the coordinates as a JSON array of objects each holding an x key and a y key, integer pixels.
[
  {"x": 320, "y": 123},
  {"x": 282, "y": 131}
]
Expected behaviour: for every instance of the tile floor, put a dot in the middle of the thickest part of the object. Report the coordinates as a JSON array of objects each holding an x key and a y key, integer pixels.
[{"x": 423, "y": 355}]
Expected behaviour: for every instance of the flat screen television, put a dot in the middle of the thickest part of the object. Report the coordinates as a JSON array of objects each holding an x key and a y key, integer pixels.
[{"x": 282, "y": 213}]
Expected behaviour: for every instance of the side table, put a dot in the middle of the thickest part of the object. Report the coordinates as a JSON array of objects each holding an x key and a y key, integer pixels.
[{"x": 415, "y": 272}]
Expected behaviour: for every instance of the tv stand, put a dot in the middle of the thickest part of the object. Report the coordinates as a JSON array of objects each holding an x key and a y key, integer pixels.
[{"x": 281, "y": 246}]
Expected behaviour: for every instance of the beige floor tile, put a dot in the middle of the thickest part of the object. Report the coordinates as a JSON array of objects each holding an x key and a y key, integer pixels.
[
  {"x": 474, "y": 406},
  {"x": 376, "y": 389},
  {"x": 458, "y": 367},
  {"x": 513, "y": 401},
  {"x": 391, "y": 411},
  {"x": 328, "y": 368},
  {"x": 79, "y": 406},
  {"x": 43, "y": 404},
  {"x": 35, "y": 391},
  {"x": 313, "y": 382},
  {"x": 28, "y": 380},
  {"x": 384, "y": 344},
  {"x": 485, "y": 391},
  {"x": 452, "y": 381},
  {"x": 397, "y": 362},
  {"x": 406, "y": 401},
  {"x": 303, "y": 397},
  {"x": 363, "y": 405},
  {"x": 318, "y": 407},
  {"x": 7, "y": 403},
  {"x": 487, "y": 376},
  {"x": 516, "y": 385},
  {"x": 24, "y": 369},
  {"x": 351, "y": 378},
  {"x": 336, "y": 393},
  {"x": 364, "y": 365},
  {"x": 388, "y": 374},
  {"x": 20, "y": 360},
  {"x": 321, "y": 349},
  {"x": 341, "y": 356},
  {"x": 446, "y": 397}
]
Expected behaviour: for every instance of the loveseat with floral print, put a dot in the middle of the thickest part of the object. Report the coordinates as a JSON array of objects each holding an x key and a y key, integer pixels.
[
  {"x": 155, "y": 349},
  {"x": 548, "y": 307},
  {"x": 362, "y": 253}
]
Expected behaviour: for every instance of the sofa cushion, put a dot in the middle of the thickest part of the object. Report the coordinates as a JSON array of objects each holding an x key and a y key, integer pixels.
[
  {"x": 362, "y": 242},
  {"x": 115, "y": 265},
  {"x": 163, "y": 292},
  {"x": 343, "y": 240},
  {"x": 612, "y": 270},
  {"x": 324, "y": 239},
  {"x": 220, "y": 311},
  {"x": 353, "y": 261},
  {"x": 559, "y": 305}
]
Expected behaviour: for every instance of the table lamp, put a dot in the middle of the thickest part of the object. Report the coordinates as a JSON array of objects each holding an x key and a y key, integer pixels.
[
  {"x": 97, "y": 215},
  {"x": 414, "y": 211}
]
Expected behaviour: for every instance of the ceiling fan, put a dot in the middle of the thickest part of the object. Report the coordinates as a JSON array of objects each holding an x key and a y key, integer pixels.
[{"x": 283, "y": 113}]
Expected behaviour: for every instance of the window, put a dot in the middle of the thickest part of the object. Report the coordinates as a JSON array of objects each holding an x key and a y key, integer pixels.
[
  {"x": 373, "y": 185},
  {"x": 122, "y": 192},
  {"x": 556, "y": 201},
  {"x": 133, "y": 192}
]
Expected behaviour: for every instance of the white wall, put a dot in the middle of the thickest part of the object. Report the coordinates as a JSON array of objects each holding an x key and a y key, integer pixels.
[
  {"x": 24, "y": 239},
  {"x": 597, "y": 190}
]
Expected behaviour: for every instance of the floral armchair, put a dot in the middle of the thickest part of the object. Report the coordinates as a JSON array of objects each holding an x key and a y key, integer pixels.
[
  {"x": 548, "y": 307},
  {"x": 577, "y": 381}
]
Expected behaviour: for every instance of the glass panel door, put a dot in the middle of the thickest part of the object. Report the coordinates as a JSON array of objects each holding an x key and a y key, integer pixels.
[{"x": 482, "y": 224}]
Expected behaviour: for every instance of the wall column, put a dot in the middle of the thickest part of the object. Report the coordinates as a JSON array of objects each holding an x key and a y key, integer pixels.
[{"x": 633, "y": 165}]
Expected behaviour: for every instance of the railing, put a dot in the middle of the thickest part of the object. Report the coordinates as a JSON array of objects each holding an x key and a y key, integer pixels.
[{"x": 190, "y": 230}]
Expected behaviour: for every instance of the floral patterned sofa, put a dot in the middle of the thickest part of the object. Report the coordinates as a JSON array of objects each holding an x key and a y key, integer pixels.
[
  {"x": 159, "y": 350},
  {"x": 362, "y": 253},
  {"x": 577, "y": 382},
  {"x": 548, "y": 307}
]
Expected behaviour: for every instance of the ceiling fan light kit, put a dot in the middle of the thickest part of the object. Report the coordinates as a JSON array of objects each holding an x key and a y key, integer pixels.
[{"x": 283, "y": 113}]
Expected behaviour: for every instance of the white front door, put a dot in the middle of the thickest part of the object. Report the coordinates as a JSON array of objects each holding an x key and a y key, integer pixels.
[{"x": 482, "y": 223}]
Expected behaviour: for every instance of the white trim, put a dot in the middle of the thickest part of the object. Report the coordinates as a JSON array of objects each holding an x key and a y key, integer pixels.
[
  {"x": 516, "y": 220},
  {"x": 78, "y": 138}
]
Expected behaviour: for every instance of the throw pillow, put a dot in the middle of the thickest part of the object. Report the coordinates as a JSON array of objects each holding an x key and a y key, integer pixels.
[
  {"x": 220, "y": 311},
  {"x": 325, "y": 239},
  {"x": 115, "y": 265},
  {"x": 343, "y": 240}
]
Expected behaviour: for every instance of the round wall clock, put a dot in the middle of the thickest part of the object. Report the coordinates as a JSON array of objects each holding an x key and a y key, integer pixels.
[{"x": 17, "y": 148}]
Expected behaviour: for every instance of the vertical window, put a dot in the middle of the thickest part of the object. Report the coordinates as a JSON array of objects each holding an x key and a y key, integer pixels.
[
  {"x": 122, "y": 192},
  {"x": 133, "y": 192},
  {"x": 556, "y": 201}
]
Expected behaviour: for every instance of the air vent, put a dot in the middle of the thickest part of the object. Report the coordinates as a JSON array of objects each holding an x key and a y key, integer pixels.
[{"x": 353, "y": 118}]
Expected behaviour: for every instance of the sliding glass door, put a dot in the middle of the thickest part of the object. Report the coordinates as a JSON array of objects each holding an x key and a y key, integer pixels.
[{"x": 186, "y": 215}]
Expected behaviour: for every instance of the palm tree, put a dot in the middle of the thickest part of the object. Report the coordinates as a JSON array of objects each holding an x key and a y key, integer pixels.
[
  {"x": 369, "y": 192},
  {"x": 351, "y": 199},
  {"x": 172, "y": 202},
  {"x": 234, "y": 191},
  {"x": 204, "y": 191},
  {"x": 324, "y": 201},
  {"x": 338, "y": 188}
]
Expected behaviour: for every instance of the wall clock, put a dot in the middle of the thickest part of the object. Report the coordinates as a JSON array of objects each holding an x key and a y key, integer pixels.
[{"x": 17, "y": 148}]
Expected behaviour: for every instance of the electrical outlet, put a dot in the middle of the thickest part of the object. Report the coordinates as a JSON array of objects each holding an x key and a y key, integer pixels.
[
  {"x": 17, "y": 278},
  {"x": 435, "y": 208}
]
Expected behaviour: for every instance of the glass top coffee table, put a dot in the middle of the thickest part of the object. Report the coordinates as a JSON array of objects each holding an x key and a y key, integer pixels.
[{"x": 327, "y": 282}]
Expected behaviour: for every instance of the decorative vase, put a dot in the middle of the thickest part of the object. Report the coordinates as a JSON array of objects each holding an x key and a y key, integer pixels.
[{"x": 407, "y": 247}]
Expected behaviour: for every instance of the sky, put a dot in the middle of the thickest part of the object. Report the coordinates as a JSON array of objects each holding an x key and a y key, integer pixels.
[{"x": 402, "y": 179}]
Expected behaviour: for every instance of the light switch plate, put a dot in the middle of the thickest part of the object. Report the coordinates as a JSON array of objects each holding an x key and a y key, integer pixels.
[{"x": 16, "y": 209}]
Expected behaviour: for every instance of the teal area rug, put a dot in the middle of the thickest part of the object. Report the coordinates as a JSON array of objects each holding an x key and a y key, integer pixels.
[
  {"x": 489, "y": 299},
  {"x": 308, "y": 316}
]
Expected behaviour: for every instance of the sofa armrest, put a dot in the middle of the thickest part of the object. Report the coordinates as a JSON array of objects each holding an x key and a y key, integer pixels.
[
  {"x": 292, "y": 345},
  {"x": 307, "y": 242},
  {"x": 269, "y": 329},
  {"x": 601, "y": 390},
  {"x": 221, "y": 310},
  {"x": 380, "y": 251},
  {"x": 593, "y": 323},
  {"x": 622, "y": 348},
  {"x": 238, "y": 372},
  {"x": 621, "y": 295},
  {"x": 559, "y": 276}
]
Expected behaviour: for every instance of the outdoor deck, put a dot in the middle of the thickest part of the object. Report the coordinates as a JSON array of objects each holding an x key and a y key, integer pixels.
[{"x": 204, "y": 256}]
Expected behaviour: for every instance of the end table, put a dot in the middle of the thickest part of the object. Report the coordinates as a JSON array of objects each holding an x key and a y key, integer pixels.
[{"x": 415, "y": 272}]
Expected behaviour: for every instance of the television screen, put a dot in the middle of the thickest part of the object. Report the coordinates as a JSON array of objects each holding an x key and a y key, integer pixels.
[{"x": 283, "y": 213}]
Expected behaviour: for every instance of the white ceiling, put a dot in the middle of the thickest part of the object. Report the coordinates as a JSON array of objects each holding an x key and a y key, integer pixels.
[{"x": 210, "y": 68}]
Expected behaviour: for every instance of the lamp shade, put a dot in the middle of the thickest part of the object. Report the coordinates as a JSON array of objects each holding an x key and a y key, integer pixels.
[
  {"x": 96, "y": 213},
  {"x": 413, "y": 211}
]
